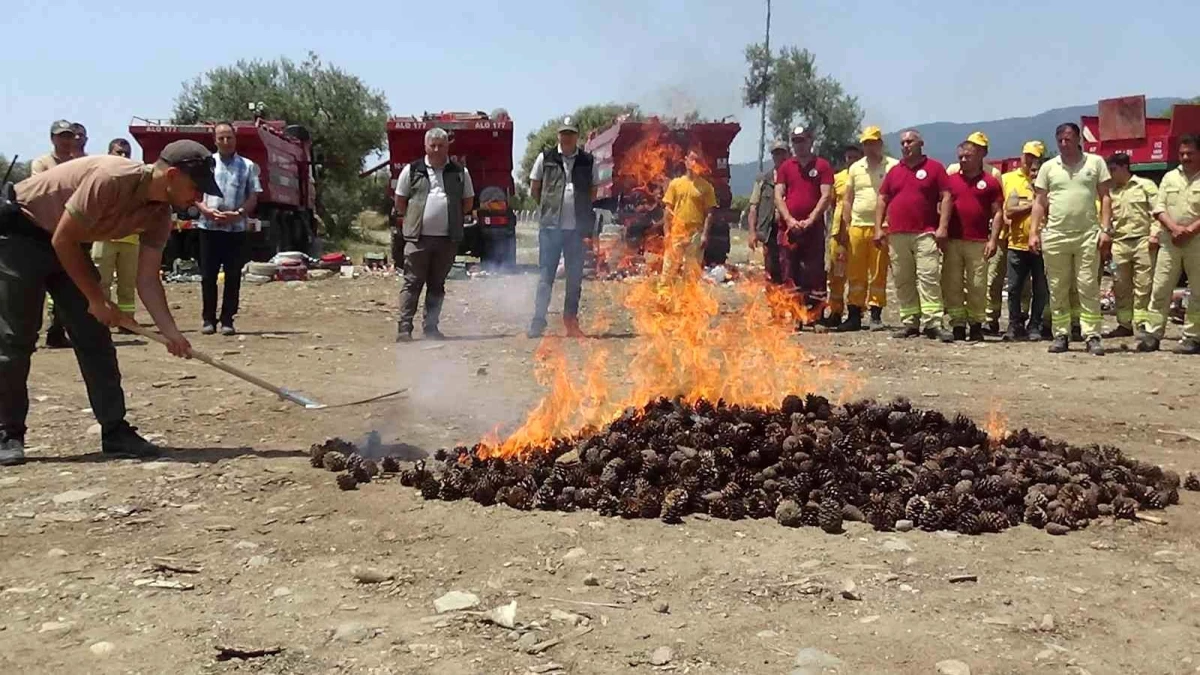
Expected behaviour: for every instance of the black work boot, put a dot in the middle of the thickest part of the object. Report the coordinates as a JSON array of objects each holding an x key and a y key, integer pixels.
[
  {"x": 975, "y": 334},
  {"x": 833, "y": 320},
  {"x": 907, "y": 332},
  {"x": 876, "y": 319},
  {"x": 1119, "y": 332},
  {"x": 960, "y": 333},
  {"x": 432, "y": 333},
  {"x": 403, "y": 334},
  {"x": 1060, "y": 344},
  {"x": 992, "y": 327},
  {"x": 1094, "y": 346},
  {"x": 1189, "y": 346},
  {"x": 1076, "y": 333},
  {"x": 853, "y": 322},
  {"x": 122, "y": 440},
  {"x": 1147, "y": 343},
  {"x": 12, "y": 449}
]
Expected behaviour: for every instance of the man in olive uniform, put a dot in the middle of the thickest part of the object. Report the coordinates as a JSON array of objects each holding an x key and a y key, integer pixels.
[
  {"x": 563, "y": 183},
  {"x": 1178, "y": 211},
  {"x": 1132, "y": 204},
  {"x": 66, "y": 147},
  {"x": 1073, "y": 236},
  {"x": 44, "y": 222},
  {"x": 763, "y": 217},
  {"x": 434, "y": 195}
]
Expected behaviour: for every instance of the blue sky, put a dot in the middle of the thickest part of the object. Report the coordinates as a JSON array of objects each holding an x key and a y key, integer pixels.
[{"x": 909, "y": 62}]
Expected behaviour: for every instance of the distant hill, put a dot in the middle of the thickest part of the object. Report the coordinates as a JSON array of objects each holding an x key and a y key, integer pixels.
[{"x": 941, "y": 138}]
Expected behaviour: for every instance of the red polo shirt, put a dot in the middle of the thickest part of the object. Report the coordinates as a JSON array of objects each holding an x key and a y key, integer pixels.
[
  {"x": 913, "y": 193},
  {"x": 973, "y": 199},
  {"x": 802, "y": 184}
]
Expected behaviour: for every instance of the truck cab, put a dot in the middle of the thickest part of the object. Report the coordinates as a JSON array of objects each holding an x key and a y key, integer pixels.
[{"x": 483, "y": 143}]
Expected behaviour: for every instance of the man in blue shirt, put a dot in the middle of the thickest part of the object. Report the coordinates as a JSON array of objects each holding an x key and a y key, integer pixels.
[{"x": 222, "y": 227}]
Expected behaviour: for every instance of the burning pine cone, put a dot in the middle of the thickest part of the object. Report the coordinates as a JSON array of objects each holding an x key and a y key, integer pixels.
[{"x": 807, "y": 463}]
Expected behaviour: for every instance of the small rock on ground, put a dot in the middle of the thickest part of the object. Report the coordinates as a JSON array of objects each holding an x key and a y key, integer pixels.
[
  {"x": 454, "y": 601},
  {"x": 102, "y": 648},
  {"x": 591, "y": 580},
  {"x": 662, "y": 607},
  {"x": 953, "y": 667},
  {"x": 661, "y": 656},
  {"x": 904, "y": 525},
  {"x": 351, "y": 631},
  {"x": 811, "y": 659}
]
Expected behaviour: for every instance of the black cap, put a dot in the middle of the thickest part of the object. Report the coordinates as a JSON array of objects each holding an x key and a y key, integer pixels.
[
  {"x": 194, "y": 160},
  {"x": 61, "y": 127}
]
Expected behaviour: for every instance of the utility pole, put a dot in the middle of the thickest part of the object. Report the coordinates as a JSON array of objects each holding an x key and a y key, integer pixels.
[{"x": 762, "y": 125}]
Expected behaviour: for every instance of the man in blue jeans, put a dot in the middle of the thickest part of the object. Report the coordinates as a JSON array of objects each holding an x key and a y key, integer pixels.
[{"x": 563, "y": 182}]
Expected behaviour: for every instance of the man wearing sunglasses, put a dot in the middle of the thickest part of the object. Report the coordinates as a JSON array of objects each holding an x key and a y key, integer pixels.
[{"x": 44, "y": 222}]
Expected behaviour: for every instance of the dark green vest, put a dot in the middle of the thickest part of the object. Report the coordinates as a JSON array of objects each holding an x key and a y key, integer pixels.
[
  {"x": 766, "y": 206},
  {"x": 418, "y": 182},
  {"x": 554, "y": 186}
]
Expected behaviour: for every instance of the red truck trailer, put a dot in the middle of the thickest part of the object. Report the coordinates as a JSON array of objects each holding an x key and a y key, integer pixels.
[
  {"x": 482, "y": 143},
  {"x": 637, "y": 159},
  {"x": 1152, "y": 143},
  {"x": 283, "y": 154}
]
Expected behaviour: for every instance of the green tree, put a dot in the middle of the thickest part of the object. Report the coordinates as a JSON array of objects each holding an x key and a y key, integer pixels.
[
  {"x": 20, "y": 170},
  {"x": 345, "y": 117},
  {"x": 588, "y": 118},
  {"x": 796, "y": 93}
]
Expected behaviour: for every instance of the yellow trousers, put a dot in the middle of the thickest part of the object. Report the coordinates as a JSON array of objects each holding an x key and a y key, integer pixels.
[
  {"x": 1173, "y": 260},
  {"x": 1073, "y": 258},
  {"x": 916, "y": 269},
  {"x": 866, "y": 270},
  {"x": 119, "y": 259},
  {"x": 837, "y": 276},
  {"x": 1132, "y": 281},
  {"x": 964, "y": 282}
]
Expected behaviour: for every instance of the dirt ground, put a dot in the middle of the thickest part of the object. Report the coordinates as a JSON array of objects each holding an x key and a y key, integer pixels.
[{"x": 273, "y": 546}]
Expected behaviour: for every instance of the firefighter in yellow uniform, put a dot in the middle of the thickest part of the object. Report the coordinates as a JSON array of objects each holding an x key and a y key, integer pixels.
[
  {"x": 1133, "y": 200},
  {"x": 1178, "y": 211},
  {"x": 1071, "y": 235},
  {"x": 996, "y": 267},
  {"x": 836, "y": 257},
  {"x": 866, "y": 264}
]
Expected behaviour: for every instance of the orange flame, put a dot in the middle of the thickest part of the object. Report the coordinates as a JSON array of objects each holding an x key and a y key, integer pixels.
[
  {"x": 693, "y": 340},
  {"x": 997, "y": 423}
]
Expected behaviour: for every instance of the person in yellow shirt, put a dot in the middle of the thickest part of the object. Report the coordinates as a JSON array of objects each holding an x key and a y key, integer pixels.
[
  {"x": 1132, "y": 204},
  {"x": 119, "y": 257},
  {"x": 689, "y": 201},
  {"x": 1022, "y": 264},
  {"x": 996, "y": 266},
  {"x": 1177, "y": 209},
  {"x": 1071, "y": 235},
  {"x": 837, "y": 254},
  {"x": 866, "y": 264}
]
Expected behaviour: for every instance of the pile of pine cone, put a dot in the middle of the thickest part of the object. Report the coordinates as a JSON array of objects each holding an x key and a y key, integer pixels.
[
  {"x": 343, "y": 458},
  {"x": 807, "y": 463}
]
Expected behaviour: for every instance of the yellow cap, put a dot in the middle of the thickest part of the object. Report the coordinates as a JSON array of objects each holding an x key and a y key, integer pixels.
[
  {"x": 871, "y": 133},
  {"x": 1034, "y": 148},
  {"x": 978, "y": 138}
]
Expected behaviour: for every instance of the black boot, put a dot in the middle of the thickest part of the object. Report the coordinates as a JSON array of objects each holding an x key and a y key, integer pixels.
[
  {"x": 1189, "y": 346},
  {"x": 992, "y": 327},
  {"x": 877, "y": 319},
  {"x": 1059, "y": 345},
  {"x": 833, "y": 321},
  {"x": 960, "y": 332},
  {"x": 1094, "y": 346},
  {"x": 56, "y": 338},
  {"x": 853, "y": 322},
  {"x": 1076, "y": 333},
  {"x": 1147, "y": 343},
  {"x": 975, "y": 334},
  {"x": 122, "y": 440}
]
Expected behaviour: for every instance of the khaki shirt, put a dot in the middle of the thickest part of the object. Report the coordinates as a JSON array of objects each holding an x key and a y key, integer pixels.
[
  {"x": 1179, "y": 197},
  {"x": 863, "y": 182},
  {"x": 1132, "y": 204},
  {"x": 1073, "y": 193},
  {"x": 45, "y": 163},
  {"x": 105, "y": 193}
]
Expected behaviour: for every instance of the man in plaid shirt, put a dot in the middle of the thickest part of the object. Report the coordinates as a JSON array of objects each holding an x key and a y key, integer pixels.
[{"x": 222, "y": 227}]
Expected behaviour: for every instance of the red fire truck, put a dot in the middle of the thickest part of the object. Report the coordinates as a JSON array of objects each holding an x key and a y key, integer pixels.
[
  {"x": 482, "y": 143},
  {"x": 283, "y": 154},
  {"x": 634, "y": 197}
]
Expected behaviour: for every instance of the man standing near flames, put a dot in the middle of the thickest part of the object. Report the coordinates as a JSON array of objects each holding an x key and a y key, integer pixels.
[
  {"x": 969, "y": 242},
  {"x": 764, "y": 217},
  {"x": 1025, "y": 267},
  {"x": 803, "y": 188},
  {"x": 866, "y": 264},
  {"x": 1073, "y": 235},
  {"x": 689, "y": 201},
  {"x": 836, "y": 255},
  {"x": 1133, "y": 200},
  {"x": 1178, "y": 212},
  {"x": 914, "y": 202},
  {"x": 563, "y": 183},
  {"x": 43, "y": 227},
  {"x": 996, "y": 269},
  {"x": 434, "y": 195}
]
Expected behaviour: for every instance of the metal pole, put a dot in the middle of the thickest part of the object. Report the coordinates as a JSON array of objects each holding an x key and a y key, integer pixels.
[{"x": 762, "y": 125}]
